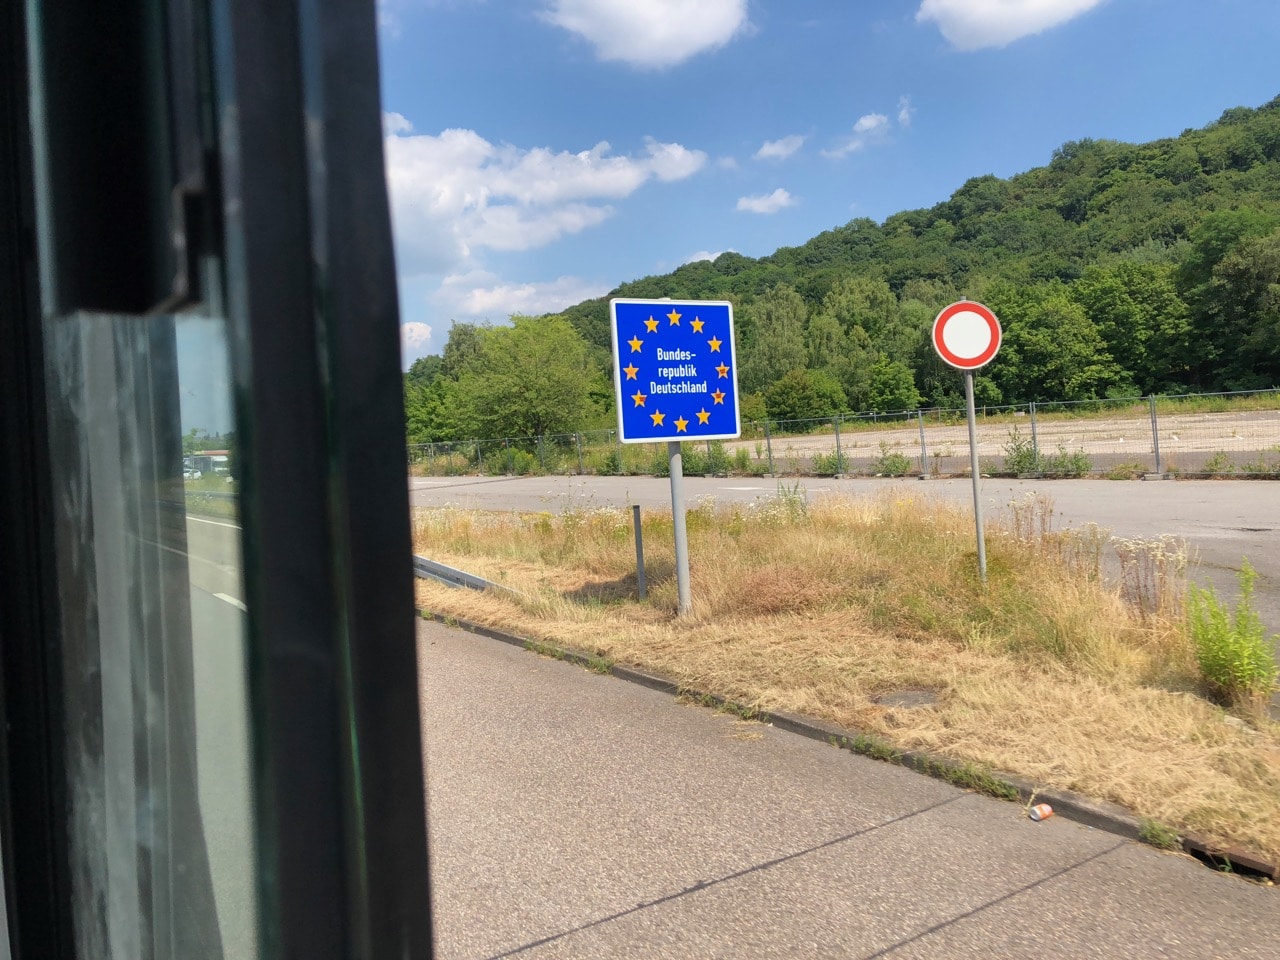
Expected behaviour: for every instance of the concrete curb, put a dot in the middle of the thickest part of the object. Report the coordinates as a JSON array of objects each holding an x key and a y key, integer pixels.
[{"x": 1098, "y": 814}]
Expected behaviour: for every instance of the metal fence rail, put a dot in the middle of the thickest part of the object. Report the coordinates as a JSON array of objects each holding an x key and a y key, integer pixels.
[{"x": 1222, "y": 434}]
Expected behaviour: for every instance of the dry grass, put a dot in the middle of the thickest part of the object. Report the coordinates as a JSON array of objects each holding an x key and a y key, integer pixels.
[{"x": 819, "y": 608}]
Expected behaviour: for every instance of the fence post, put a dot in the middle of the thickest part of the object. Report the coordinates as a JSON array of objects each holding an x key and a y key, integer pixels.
[
  {"x": 711, "y": 467},
  {"x": 641, "y": 592},
  {"x": 768, "y": 445},
  {"x": 835, "y": 422},
  {"x": 924, "y": 451},
  {"x": 578, "y": 437},
  {"x": 1155, "y": 434},
  {"x": 431, "y": 459},
  {"x": 621, "y": 468},
  {"x": 1035, "y": 440}
]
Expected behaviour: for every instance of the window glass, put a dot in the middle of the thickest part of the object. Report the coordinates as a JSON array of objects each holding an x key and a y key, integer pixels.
[{"x": 154, "y": 666}]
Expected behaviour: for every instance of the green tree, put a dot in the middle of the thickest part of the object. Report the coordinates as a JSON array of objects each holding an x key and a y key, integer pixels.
[
  {"x": 533, "y": 378},
  {"x": 423, "y": 370},
  {"x": 1052, "y": 350},
  {"x": 1143, "y": 322},
  {"x": 462, "y": 348},
  {"x": 863, "y": 302},
  {"x": 893, "y": 386},
  {"x": 775, "y": 325},
  {"x": 1241, "y": 312},
  {"x": 194, "y": 440},
  {"x": 803, "y": 395}
]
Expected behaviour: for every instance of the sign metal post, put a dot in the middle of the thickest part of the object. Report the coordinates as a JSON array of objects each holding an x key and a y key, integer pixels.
[
  {"x": 966, "y": 335},
  {"x": 973, "y": 472},
  {"x": 675, "y": 378}
]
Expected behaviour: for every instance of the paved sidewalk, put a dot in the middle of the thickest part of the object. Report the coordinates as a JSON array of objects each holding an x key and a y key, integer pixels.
[{"x": 576, "y": 815}]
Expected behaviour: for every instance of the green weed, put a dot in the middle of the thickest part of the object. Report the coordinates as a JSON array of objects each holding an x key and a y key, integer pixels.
[
  {"x": 830, "y": 464},
  {"x": 891, "y": 463},
  {"x": 1158, "y": 835},
  {"x": 1020, "y": 454},
  {"x": 1232, "y": 649},
  {"x": 1066, "y": 463},
  {"x": 1219, "y": 465}
]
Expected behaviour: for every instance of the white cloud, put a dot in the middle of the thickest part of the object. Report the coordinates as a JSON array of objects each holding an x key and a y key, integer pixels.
[
  {"x": 727, "y": 163},
  {"x": 415, "y": 342},
  {"x": 389, "y": 18},
  {"x": 780, "y": 149},
  {"x": 457, "y": 193},
  {"x": 767, "y": 203},
  {"x": 650, "y": 33},
  {"x": 395, "y": 123},
  {"x": 975, "y": 24},
  {"x": 707, "y": 255},
  {"x": 670, "y": 161},
  {"x": 905, "y": 111},
  {"x": 479, "y": 293},
  {"x": 870, "y": 129},
  {"x": 870, "y": 123}
]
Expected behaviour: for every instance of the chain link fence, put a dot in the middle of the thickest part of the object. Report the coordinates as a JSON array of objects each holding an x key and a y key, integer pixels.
[{"x": 1220, "y": 434}]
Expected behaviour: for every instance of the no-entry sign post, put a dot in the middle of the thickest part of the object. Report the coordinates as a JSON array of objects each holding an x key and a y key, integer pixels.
[{"x": 966, "y": 335}]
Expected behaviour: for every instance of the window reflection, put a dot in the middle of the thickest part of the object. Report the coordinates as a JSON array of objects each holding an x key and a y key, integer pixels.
[{"x": 154, "y": 673}]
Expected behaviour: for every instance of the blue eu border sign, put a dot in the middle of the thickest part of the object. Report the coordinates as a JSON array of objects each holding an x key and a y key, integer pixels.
[{"x": 675, "y": 370}]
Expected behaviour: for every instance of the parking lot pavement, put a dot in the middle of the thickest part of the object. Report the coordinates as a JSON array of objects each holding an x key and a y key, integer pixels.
[{"x": 577, "y": 815}]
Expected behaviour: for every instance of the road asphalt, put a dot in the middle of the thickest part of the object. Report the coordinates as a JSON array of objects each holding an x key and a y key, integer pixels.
[{"x": 578, "y": 815}]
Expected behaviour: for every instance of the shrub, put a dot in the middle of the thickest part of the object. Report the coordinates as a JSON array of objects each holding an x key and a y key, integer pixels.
[
  {"x": 1233, "y": 650},
  {"x": 891, "y": 463},
  {"x": 830, "y": 464},
  {"x": 523, "y": 463},
  {"x": 694, "y": 460},
  {"x": 611, "y": 465},
  {"x": 1020, "y": 454},
  {"x": 1219, "y": 464},
  {"x": 715, "y": 460},
  {"x": 1066, "y": 463},
  {"x": 1126, "y": 471},
  {"x": 660, "y": 463}
]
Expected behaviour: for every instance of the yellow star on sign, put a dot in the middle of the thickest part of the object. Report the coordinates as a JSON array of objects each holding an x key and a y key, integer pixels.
[
  {"x": 723, "y": 371},
  {"x": 674, "y": 318},
  {"x": 718, "y": 396},
  {"x": 697, "y": 325},
  {"x": 714, "y": 344},
  {"x": 652, "y": 325},
  {"x": 631, "y": 370},
  {"x": 703, "y": 415},
  {"x": 639, "y": 398},
  {"x": 636, "y": 344},
  {"x": 682, "y": 425},
  {"x": 657, "y": 417}
]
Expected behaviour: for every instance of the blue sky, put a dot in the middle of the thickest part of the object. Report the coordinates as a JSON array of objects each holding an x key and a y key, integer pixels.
[{"x": 542, "y": 152}]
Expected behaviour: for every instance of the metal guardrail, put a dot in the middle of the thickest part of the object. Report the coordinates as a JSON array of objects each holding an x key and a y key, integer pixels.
[{"x": 453, "y": 577}]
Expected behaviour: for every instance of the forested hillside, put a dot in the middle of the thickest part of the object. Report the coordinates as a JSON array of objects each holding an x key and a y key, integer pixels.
[{"x": 1116, "y": 270}]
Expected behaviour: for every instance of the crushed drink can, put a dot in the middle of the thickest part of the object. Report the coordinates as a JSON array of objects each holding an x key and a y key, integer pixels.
[{"x": 1041, "y": 811}]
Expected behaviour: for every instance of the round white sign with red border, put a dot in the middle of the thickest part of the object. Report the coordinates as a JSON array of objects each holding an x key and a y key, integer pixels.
[{"x": 966, "y": 335}]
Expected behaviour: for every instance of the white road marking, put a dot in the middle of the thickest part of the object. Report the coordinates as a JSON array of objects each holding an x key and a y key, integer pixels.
[
  {"x": 232, "y": 600},
  {"x": 216, "y": 523}
]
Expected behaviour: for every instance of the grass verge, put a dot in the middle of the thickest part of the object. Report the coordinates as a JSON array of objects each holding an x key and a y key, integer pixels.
[{"x": 823, "y": 608}]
